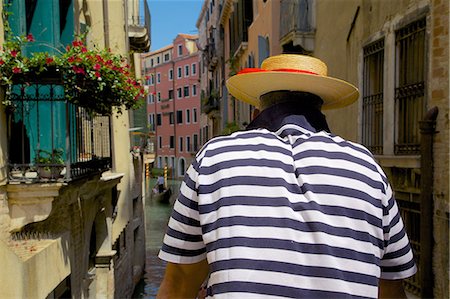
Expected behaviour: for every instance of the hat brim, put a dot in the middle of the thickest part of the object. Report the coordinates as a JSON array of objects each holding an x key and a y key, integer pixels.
[{"x": 335, "y": 93}]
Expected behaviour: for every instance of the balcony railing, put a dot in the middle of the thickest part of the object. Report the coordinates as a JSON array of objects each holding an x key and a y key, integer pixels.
[
  {"x": 297, "y": 24},
  {"x": 211, "y": 103},
  {"x": 46, "y": 132}
]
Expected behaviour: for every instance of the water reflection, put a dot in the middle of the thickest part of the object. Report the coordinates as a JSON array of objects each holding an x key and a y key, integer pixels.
[{"x": 156, "y": 217}]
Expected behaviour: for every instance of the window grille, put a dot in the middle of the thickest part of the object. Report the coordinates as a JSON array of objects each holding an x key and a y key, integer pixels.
[
  {"x": 41, "y": 121},
  {"x": 372, "y": 128},
  {"x": 410, "y": 86}
]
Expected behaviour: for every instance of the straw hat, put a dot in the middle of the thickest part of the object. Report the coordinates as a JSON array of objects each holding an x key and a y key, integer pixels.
[{"x": 295, "y": 73}]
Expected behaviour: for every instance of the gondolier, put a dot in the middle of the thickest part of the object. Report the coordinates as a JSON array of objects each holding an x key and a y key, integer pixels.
[
  {"x": 286, "y": 209},
  {"x": 160, "y": 184}
]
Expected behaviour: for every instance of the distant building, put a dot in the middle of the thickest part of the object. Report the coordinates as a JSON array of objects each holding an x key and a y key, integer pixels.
[{"x": 173, "y": 104}]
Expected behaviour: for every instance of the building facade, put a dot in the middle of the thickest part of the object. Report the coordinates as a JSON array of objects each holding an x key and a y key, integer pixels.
[
  {"x": 78, "y": 233},
  {"x": 173, "y": 104},
  {"x": 397, "y": 53}
]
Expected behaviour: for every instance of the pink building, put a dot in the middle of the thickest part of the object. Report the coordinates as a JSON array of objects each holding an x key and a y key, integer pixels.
[{"x": 173, "y": 104}]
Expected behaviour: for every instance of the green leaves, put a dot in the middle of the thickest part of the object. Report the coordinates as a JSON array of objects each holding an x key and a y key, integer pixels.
[{"x": 93, "y": 78}]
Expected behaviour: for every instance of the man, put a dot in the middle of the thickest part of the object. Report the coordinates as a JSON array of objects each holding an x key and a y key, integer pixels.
[
  {"x": 160, "y": 183},
  {"x": 285, "y": 208}
]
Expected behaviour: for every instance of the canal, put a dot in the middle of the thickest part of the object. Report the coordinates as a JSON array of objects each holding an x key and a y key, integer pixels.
[{"x": 156, "y": 217}]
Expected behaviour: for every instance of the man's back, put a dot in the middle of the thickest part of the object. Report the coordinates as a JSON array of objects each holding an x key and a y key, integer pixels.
[{"x": 289, "y": 213}]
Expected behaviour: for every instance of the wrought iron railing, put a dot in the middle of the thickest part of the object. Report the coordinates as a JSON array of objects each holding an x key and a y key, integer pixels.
[
  {"x": 52, "y": 140},
  {"x": 410, "y": 96},
  {"x": 372, "y": 117}
]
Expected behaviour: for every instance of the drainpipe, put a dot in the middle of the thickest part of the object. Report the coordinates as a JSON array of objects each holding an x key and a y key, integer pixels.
[
  {"x": 427, "y": 130},
  {"x": 175, "y": 162},
  {"x": 106, "y": 23}
]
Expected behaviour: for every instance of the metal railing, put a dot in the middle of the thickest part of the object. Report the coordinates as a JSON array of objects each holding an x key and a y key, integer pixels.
[
  {"x": 410, "y": 88},
  {"x": 372, "y": 129},
  {"x": 50, "y": 139}
]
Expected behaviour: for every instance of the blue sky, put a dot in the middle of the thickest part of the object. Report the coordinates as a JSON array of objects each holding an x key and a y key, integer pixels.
[{"x": 170, "y": 17}]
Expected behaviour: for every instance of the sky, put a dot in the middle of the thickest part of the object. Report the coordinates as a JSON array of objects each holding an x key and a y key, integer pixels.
[{"x": 170, "y": 17}]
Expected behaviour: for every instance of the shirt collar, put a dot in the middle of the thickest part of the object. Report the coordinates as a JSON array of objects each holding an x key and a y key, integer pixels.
[{"x": 283, "y": 120}]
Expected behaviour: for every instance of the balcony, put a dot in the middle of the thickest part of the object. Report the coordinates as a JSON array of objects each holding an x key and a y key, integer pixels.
[
  {"x": 240, "y": 20},
  {"x": 297, "y": 27},
  {"x": 139, "y": 27},
  {"x": 211, "y": 55},
  {"x": 211, "y": 102},
  {"x": 51, "y": 140}
]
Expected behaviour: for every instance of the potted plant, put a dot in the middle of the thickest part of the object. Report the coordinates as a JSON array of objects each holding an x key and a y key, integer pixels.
[
  {"x": 49, "y": 164},
  {"x": 93, "y": 78}
]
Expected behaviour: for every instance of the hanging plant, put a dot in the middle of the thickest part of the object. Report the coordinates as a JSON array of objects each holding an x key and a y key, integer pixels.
[{"x": 93, "y": 78}]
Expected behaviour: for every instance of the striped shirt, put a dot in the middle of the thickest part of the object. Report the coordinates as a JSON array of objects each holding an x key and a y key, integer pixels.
[{"x": 288, "y": 213}]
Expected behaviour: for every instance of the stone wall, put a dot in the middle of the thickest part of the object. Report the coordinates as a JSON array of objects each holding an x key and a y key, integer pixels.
[{"x": 439, "y": 90}]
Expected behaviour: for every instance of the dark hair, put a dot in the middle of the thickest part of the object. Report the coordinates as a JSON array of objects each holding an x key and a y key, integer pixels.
[
  {"x": 301, "y": 98},
  {"x": 285, "y": 102}
]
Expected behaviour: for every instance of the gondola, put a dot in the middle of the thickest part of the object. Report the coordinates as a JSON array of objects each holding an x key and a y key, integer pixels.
[{"x": 163, "y": 197}]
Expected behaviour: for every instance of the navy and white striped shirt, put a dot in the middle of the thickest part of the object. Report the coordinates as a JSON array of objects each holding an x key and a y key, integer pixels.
[{"x": 291, "y": 213}]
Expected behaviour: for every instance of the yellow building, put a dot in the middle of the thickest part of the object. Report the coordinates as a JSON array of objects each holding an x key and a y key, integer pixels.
[{"x": 79, "y": 232}]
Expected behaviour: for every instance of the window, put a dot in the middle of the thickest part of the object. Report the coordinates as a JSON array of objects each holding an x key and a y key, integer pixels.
[
  {"x": 158, "y": 119},
  {"x": 186, "y": 70},
  {"x": 158, "y": 97},
  {"x": 171, "y": 74},
  {"x": 160, "y": 143},
  {"x": 151, "y": 79},
  {"x": 179, "y": 93},
  {"x": 188, "y": 143},
  {"x": 172, "y": 141},
  {"x": 170, "y": 94},
  {"x": 180, "y": 144},
  {"x": 166, "y": 57},
  {"x": 263, "y": 48},
  {"x": 152, "y": 62},
  {"x": 151, "y": 121},
  {"x": 150, "y": 98},
  {"x": 195, "y": 142},
  {"x": 194, "y": 90},
  {"x": 179, "y": 116},
  {"x": 372, "y": 106},
  {"x": 186, "y": 91},
  {"x": 410, "y": 86},
  {"x": 188, "y": 116},
  {"x": 179, "y": 72},
  {"x": 171, "y": 120},
  {"x": 194, "y": 69},
  {"x": 158, "y": 78},
  {"x": 180, "y": 50},
  {"x": 158, "y": 60},
  {"x": 181, "y": 167},
  {"x": 160, "y": 162},
  {"x": 194, "y": 115}
]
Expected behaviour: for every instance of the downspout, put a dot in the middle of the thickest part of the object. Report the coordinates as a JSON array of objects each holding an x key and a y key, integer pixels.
[
  {"x": 174, "y": 122},
  {"x": 106, "y": 23},
  {"x": 427, "y": 130},
  {"x": 155, "y": 100}
]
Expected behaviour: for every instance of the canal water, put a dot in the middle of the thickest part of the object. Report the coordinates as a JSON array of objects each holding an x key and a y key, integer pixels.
[{"x": 156, "y": 218}]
